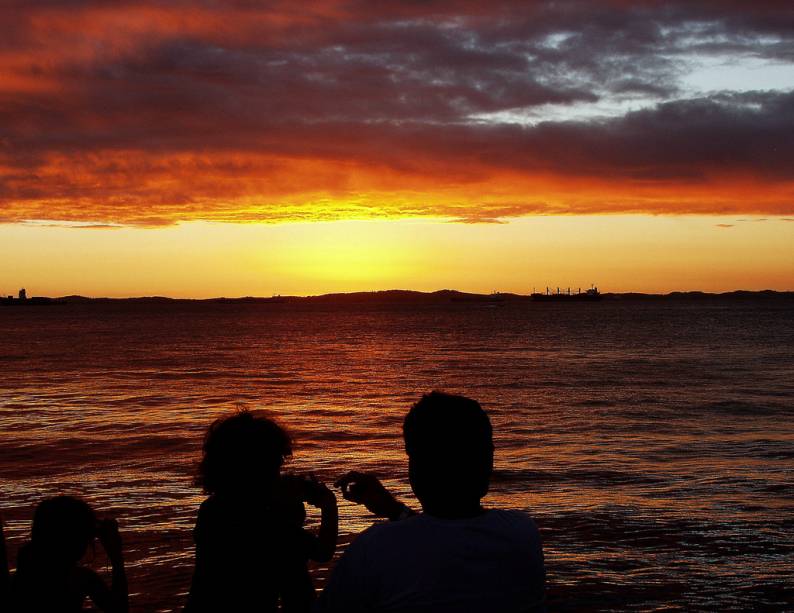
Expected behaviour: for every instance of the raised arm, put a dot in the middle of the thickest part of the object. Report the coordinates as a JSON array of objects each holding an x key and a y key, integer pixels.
[
  {"x": 115, "y": 599},
  {"x": 318, "y": 495},
  {"x": 366, "y": 489}
]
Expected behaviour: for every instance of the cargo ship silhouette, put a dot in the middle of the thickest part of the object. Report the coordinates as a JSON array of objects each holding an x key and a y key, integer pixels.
[{"x": 589, "y": 295}]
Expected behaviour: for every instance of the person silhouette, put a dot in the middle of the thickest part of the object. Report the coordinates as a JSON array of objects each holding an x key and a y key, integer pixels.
[
  {"x": 456, "y": 556},
  {"x": 5, "y": 577},
  {"x": 49, "y": 576},
  {"x": 251, "y": 547}
]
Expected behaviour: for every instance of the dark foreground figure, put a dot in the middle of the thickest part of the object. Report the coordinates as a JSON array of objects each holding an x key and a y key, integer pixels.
[
  {"x": 454, "y": 557},
  {"x": 5, "y": 577},
  {"x": 251, "y": 547},
  {"x": 49, "y": 576}
]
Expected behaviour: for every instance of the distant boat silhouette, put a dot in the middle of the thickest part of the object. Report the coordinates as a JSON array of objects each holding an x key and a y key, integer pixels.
[{"x": 590, "y": 295}]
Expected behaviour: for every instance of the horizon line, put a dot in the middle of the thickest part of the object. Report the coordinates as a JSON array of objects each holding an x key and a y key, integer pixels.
[{"x": 394, "y": 291}]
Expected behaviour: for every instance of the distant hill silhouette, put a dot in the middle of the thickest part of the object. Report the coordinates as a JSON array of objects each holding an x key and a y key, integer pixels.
[
  {"x": 444, "y": 296},
  {"x": 696, "y": 296}
]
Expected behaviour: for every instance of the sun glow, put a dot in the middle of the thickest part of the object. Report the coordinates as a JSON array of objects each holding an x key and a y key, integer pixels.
[
  {"x": 200, "y": 259},
  {"x": 346, "y": 255}
]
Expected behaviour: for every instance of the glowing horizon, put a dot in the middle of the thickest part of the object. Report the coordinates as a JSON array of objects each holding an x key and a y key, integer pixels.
[
  {"x": 205, "y": 260},
  {"x": 125, "y": 127}
]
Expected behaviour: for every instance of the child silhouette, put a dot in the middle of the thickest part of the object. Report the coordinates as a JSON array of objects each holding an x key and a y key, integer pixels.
[
  {"x": 49, "y": 576},
  {"x": 251, "y": 547}
]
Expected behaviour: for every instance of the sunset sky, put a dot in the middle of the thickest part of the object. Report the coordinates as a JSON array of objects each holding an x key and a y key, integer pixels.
[{"x": 224, "y": 148}]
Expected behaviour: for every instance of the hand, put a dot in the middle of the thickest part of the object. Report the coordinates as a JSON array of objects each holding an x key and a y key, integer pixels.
[
  {"x": 317, "y": 494},
  {"x": 366, "y": 489},
  {"x": 307, "y": 489},
  {"x": 108, "y": 533}
]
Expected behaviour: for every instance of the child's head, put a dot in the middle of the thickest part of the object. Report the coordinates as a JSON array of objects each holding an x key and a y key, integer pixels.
[
  {"x": 242, "y": 453},
  {"x": 63, "y": 528}
]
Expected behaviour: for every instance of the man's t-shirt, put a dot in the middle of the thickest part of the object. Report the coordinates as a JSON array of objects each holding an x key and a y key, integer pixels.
[{"x": 492, "y": 562}]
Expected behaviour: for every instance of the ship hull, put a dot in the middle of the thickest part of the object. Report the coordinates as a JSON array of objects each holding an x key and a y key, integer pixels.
[{"x": 565, "y": 297}]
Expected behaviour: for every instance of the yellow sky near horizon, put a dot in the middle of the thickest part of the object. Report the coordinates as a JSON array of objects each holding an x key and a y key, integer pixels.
[
  {"x": 199, "y": 259},
  {"x": 253, "y": 149}
]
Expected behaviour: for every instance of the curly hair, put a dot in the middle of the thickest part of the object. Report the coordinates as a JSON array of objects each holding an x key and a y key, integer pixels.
[{"x": 240, "y": 448}]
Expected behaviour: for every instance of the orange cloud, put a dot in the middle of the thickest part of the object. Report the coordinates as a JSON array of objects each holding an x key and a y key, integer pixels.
[
  {"x": 130, "y": 188},
  {"x": 147, "y": 114}
]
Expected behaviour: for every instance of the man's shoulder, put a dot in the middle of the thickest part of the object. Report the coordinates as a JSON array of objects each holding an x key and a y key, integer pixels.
[
  {"x": 389, "y": 535},
  {"x": 389, "y": 529},
  {"x": 511, "y": 521},
  {"x": 512, "y": 518},
  {"x": 515, "y": 525}
]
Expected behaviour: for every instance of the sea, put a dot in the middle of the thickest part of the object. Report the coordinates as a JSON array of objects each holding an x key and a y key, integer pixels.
[{"x": 651, "y": 440}]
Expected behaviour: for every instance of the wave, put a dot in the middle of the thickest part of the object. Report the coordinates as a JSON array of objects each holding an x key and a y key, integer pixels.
[
  {"x": 599, "y": 477},
  {"x": 739, "y": 407}
]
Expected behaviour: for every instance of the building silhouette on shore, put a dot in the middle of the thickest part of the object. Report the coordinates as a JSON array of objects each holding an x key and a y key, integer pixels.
[{"x": 23, "y": 299}]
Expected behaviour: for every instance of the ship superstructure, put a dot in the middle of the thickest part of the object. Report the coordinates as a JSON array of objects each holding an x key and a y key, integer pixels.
[{"x": 588, "y": 295}]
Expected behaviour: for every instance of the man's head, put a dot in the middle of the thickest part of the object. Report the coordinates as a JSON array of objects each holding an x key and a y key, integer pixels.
[{"x": 449, "y": 442}]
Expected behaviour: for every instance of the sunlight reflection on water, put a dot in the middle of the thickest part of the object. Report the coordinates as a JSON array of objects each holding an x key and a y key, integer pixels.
[{"x": 654, "y": 443}]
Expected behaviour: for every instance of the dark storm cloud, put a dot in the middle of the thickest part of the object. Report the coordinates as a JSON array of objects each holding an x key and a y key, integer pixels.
[{"x": 111, "y": 111}]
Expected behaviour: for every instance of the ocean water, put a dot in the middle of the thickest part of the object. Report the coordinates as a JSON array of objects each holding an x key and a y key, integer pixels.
[{"x": 652, "y": 441}]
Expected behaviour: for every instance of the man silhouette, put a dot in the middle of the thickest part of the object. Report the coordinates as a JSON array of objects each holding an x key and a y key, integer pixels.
[{"x": 455, "y": 556}]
